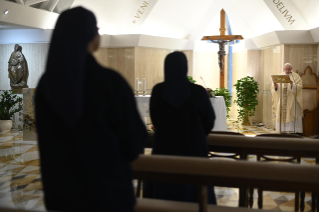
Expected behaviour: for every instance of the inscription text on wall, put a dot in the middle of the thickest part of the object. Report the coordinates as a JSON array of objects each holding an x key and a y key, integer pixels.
[
  {"x": 140, "y": 11},
  {"x": 281, "y": 6}
]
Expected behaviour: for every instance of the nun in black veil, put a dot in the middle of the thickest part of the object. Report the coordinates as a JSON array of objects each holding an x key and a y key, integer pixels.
[
  {"x": 182, "y": 116},
  {"x": 89, "y": 129}
]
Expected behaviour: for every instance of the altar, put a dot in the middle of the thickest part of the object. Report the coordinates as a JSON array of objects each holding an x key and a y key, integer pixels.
[{"x": 218, "y": 104}]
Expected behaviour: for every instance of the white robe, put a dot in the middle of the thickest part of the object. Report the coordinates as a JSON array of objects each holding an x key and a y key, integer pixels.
[{"x": 292, "y": 116}]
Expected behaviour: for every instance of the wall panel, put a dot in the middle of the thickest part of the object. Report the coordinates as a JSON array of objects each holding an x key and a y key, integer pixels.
[
  {"x": 206, "y": 66},
  {"x": 149, "y": 64},
  {"x": 273, "y": 62},
  {"x": 255, "y": 70},
  {"x": 239, "y": 71},
  {"x": 101, "y": 56},
  {"x": 300, "y": 56},
  {"x": 190, "y": 59}
]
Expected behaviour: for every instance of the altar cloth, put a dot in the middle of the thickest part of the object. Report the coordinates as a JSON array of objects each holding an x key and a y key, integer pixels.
[{"x": 218, "y": 104}]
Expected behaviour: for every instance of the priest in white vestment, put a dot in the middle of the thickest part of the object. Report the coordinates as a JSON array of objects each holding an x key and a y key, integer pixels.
[{"x": 292, "y": 102}]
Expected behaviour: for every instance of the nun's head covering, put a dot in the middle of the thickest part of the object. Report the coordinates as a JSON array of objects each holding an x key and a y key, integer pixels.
[
  {"x": 62, "y": 84},
  {"x": 176, "y": 84}
]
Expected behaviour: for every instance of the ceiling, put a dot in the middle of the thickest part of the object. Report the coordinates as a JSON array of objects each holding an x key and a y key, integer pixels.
[
  {"x": 56, "y": 6},
  {"x": 194, "y": 18},
  {"x": 189, "y": 19},
  {"x": 4, "y": 25}
]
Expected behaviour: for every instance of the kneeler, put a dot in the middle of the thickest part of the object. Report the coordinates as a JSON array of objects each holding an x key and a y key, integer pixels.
[{"x": 290, "y": 160}]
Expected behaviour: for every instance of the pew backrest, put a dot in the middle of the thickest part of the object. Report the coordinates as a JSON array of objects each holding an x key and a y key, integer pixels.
[{"x": 203, "y": 171}]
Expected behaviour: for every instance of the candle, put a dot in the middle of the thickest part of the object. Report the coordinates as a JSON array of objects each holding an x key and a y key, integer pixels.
[
  {"x": 136, "y": 85},
  {"x": 144, "y": 85}
]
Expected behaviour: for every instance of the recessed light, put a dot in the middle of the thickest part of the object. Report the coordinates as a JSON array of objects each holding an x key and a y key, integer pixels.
[{"x": 6, "y": 12}]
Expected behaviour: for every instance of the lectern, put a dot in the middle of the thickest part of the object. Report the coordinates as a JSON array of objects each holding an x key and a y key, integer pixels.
[{"x": 280, "y": 79}]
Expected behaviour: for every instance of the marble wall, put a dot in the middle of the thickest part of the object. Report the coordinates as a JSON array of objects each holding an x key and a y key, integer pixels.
[
  {"x": 239, "y": 71},
  {"x": 135, "y": 62},
  {"x": 259, "y": 64},
  {"x": 205, "y": 65},
  {"x": 29, "y": 125},
  {"x": 121, "y": 60},
  {"x": 255, "y": 69},
  {"x": 35, "y": 54},
  {"x": 273, "y": 62},
  {"x": 300, "y": 56},
  {"x": 101, "y": 56},
  {"x": 190, "y": 59},
  {"x": 149, "y": 64}
]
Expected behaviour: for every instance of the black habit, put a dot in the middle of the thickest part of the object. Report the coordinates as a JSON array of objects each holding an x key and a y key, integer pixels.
[
  {"x": 88, "y": 167},
  {"x": 181, "y": 126},
  {"x": 85, "y": 162}
]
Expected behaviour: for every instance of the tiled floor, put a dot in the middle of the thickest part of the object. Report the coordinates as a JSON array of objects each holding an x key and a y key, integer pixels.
[
  {"x": 20, "y": 179},
  {"x": 248, "y": 130}
]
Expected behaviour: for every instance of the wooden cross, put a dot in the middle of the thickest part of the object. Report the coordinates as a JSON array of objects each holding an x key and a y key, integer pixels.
[{"x": 224, "y": 37}]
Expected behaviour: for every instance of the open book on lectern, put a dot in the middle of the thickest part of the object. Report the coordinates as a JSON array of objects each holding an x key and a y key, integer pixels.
[{"x": 280, "y": 78}]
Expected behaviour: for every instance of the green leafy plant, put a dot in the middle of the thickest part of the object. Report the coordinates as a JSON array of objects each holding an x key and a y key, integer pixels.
[
  {"x": 247, "y": 91},
  {"x": 210, "y": 93},
  {"x": 10, "y": 103},
  {"x": 191, "y": 79},
  {"x": 227, "y": 97}
]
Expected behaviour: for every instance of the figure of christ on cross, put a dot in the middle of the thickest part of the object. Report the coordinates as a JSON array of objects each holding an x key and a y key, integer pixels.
[
  {"x": 221, "y": 53},
  {"x": 221, "y": 40}
]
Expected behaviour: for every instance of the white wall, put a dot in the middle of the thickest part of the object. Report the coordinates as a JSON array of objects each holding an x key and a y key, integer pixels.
[{"x": 25, "y": 36}]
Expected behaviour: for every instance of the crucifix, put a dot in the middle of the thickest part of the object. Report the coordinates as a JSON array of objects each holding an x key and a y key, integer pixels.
[{"x": 221, "y": 40}]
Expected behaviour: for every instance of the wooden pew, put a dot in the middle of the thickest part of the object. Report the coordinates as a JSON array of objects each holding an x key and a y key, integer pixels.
[
  {"x": 244, "y": 146},
  {"x": 203, "y": 172},
  {"x": 290, "y": 160},
  {"x": 151, "y": 205},
  {"x": 292, "y": 147}
]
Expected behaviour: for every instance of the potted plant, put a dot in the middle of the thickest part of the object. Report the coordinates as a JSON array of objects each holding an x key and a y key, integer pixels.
[
  {"x": 227, "y": 97},
  {"x": 10, "y": 103},
  {"x": 210, "y": 92},
  {"x": 191, "y": 79},
  {"x": 247, "y": 91}
]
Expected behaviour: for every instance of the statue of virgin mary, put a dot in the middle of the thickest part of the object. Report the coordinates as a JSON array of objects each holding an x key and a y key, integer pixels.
[{"x": 18, "y": 68}]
